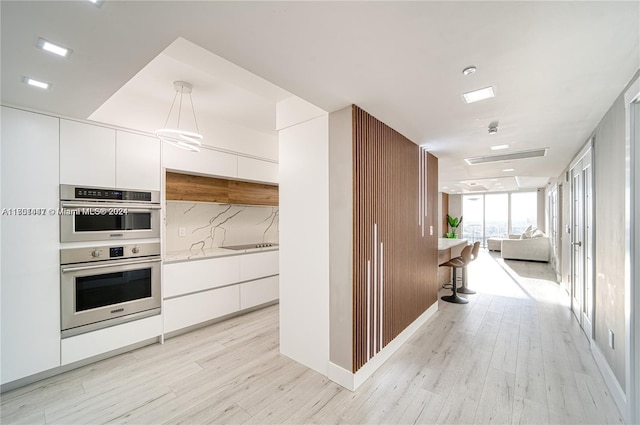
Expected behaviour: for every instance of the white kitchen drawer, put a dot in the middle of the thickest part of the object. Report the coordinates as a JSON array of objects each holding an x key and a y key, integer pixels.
[
  {"x": 258, "y": 292},
  {"x": 199, "y": 275},
  {"x": 261, "y": 264},
  {"x": 196, "y": 308},
  {"x": 102, "y": 341},
  {"x": 257, "y": 170}
]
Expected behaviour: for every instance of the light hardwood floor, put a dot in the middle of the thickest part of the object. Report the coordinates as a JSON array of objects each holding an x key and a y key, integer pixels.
[{"x": 514, "y": 354}]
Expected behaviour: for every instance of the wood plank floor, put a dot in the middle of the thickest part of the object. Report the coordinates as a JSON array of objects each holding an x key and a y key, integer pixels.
[{"x": 514, "y": 354}]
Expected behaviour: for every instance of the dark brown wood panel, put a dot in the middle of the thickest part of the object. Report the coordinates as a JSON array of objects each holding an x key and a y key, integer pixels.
[
  {"x": 395, "y": 254},
  {"x": 186, "y": 187},
  {"x": 445, "y": 212}
]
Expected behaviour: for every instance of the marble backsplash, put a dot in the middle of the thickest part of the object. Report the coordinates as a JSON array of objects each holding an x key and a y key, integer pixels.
[{"x": 211, "y": 225}]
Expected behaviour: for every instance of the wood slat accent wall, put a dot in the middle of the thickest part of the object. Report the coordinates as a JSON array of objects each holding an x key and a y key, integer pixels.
[
  {"x": 445, "y": 211},
  {"x": 186, "y": 187},
  {"x": 395, "y": 265}
]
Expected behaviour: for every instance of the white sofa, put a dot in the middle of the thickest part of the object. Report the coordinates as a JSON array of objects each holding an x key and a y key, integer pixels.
[{"x": 529, "y": 249}]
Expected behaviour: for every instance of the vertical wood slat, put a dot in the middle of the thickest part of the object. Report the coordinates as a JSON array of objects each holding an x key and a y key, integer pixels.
[{"x": 389, "y": 190}]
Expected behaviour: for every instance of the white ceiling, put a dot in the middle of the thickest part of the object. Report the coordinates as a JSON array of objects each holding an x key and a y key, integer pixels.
[{"x": 556, "y": 68}]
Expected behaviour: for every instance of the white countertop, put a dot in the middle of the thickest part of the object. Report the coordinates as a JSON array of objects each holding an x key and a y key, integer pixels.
[
  {"x": 446, "y": 243},
  {"x": 204, "y": 253}
]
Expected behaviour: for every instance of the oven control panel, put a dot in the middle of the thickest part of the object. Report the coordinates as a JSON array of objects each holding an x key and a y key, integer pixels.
[
  {"x": 102, "y": 253},
  {"x": 97, "y": 194}
]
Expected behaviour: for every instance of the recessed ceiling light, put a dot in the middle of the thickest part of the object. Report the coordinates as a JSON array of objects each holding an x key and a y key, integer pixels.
[
  {"x": 36, "y": 83},
  {"x": 499, "y": 147},
  {"x": 53, "y": 48},
  {"x": 494, "y": 180},
  {"x": 445, "y": 187},
  {"x": 469, "y": 70},
  {"x": 506, "y": 170},
  {"x": 98, "y": 3},
  {"x": 477, "y": 95}
]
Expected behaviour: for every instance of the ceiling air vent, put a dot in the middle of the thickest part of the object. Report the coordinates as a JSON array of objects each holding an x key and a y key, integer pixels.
[{"x": 534, "y": 153}]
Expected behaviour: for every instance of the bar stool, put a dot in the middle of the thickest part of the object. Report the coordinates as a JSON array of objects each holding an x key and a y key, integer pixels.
[
  {"x": 455, "y": 263},
  {"x": 474, "y": 254}
]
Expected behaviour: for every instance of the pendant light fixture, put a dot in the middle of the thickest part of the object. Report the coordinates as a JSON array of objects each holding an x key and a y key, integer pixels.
[{"x": 175, "y": 136}]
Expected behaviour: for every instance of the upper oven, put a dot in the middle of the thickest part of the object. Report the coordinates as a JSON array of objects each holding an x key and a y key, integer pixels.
[{"x": 106, "y": 214}]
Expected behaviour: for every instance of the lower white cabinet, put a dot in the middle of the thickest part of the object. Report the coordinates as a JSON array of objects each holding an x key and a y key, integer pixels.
[
  {"x": 258, "y": 292},
  {"x": 91, "y": 344},
  {"x": 200, "y": 307},
  {"x": 201, "y": 290},
  {"x": 193, "y": 276}
]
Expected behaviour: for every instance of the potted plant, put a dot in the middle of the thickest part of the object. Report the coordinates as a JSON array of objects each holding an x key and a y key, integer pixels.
[{"x": 454, "y": 222}]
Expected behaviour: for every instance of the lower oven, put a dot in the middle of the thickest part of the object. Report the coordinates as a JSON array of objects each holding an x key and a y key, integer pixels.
[{"x": 108, "y": 285}]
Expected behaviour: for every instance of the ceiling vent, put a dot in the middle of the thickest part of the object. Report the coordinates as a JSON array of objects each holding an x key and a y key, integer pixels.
[{"x": 535, "y": 153}]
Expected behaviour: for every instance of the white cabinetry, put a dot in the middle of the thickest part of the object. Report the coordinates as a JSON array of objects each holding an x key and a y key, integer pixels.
[
  {"x": 30, "y": 277},
  {"x": 207, "y": 161},
  {"x": 258, "y": 292},
  {"x": 260, "y": 264},
  {"x": 201, "y": 290},
  {"x": 200, "y": 307},
  {"x": 257, "y": 170},
  {"x": 137, "y": 161},
  {"x": 87, "y": 154},
  {"x": 91, "y": 155},
  {"x": 94, "y": 343}
]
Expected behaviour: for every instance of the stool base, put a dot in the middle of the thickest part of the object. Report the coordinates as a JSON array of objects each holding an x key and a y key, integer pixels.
[
  {"x": 464, "y": 290},
  {"x": 454, "y": 299}
]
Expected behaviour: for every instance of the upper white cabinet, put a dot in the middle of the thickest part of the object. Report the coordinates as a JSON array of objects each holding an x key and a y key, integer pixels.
[
  {"x": 30, "y": 262},
  {"x": 207, "y": 161},
  {"x": 87, "y": 154},
  {"x": 257, "y": 170},
  {"x": 91, "y": 155},
  {"x": 137, "y": 161}
]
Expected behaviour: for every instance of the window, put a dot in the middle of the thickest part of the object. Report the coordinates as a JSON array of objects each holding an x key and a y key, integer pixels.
[
  {"x": 495, "y": 215},
  {"x": 524, "y": 211},
  {"x": 473, "y": 217}
]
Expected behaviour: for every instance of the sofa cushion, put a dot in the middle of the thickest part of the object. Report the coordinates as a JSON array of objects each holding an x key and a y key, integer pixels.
[{"x": 528, "y": 232}]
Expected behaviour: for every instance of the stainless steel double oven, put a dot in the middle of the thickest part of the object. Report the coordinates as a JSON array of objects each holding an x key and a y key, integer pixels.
[{"x": 110, "y": 257}]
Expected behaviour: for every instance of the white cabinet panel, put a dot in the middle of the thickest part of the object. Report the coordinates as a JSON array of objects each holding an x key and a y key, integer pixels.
[
  {"x": 200, "y": 307},
  {"x": 199, "y": 275},
  {"x": 253, "y": 266},
  {"x": 257, "y": 170},
  {"x": 102, "y": 341},
  {"x": 258, "y": 292},
  {"x": 87, "y": 154},
  {"x": 207, "y": 161},
  {"x": 30, "y": 280},
  {"x": 137, "y": 161}
]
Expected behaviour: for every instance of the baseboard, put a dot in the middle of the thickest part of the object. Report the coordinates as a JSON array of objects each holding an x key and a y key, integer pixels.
[
  {"x": 617, "y": 392},
  {"x": 352, "y": 381}
]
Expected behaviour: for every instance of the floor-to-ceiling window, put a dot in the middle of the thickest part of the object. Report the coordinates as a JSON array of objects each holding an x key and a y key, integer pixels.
[
  {"x": 524, "y": 211},
  {"x": 473, "y": 217},
  {"x": 495, "y": 215}
]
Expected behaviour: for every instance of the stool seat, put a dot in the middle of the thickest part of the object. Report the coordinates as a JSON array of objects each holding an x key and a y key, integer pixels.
[{"x": 456, "y": 263}]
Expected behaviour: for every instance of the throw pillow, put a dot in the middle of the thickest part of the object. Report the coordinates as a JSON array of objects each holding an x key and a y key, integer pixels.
[
  {"x": 538, "y": 234},
  {"x": 528, "y": 232}
]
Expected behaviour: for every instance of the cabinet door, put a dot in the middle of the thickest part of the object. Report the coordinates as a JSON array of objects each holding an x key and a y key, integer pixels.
[
  {"x": 137, "y": 161},
  {"x": 257, "y": 170},
  {"x": 199, "y": 275},
  {"x": 87, "y": 154},
  {"x": 206, "y": 162},
  {"x": 262, "y": 264},
  {"x": 258, "y": 292},
  {"x": 200, "y": 307},
  {"x": 30, "y": 279}
]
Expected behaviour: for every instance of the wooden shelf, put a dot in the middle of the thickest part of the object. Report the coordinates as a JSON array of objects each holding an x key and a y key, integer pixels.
[{"x": 186, "y": 187}]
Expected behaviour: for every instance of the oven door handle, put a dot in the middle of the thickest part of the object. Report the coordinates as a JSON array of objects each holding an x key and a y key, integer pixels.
[
  {"x": 111, "y": 264},
  {"x": 120, "y": 206}
]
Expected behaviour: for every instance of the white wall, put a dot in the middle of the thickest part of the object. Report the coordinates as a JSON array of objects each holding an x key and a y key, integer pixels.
[
  {"x": 304, "y": 239},
  {"x": 341, "y": 237}
]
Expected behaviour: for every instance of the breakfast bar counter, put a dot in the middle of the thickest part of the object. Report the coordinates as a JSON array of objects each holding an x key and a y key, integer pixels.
[{"x": 447, "y": 249}]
